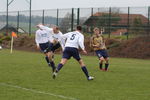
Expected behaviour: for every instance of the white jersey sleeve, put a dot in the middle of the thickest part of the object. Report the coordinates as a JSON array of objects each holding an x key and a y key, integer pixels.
[
  {"x": 81, "y": 42},
  {"x": 50, "y": 30},
  {"x": 61, "y": 40},
  {"x": 37, "y": 38},
  {"x": 65, "y": 36},
  {"x": 41, "y": 36},
  {"x": 50, "y": 33}
]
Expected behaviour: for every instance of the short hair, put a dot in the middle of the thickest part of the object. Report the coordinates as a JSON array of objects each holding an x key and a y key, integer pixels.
[
  {"x": 79, "y": 27},
  {"x": 55, "y": 27}
]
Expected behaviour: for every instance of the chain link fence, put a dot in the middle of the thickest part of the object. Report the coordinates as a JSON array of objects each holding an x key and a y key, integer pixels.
[{"x": 113, "y": 21}]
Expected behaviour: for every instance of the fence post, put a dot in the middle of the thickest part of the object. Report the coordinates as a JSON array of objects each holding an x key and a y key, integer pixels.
[
  {"x": 43, "y": 17},
  {"x": 91, "y": 11},
  {"x": 78, "y": 16},
  {"x": 7, "y": 19},
  {"x": 30, "y": 20},
  {"x": 72, "y": 19},
  {"x": 57, "y": 22},
  {"x": 18, "y": 22},
  {"x": 92, "y": 27},
  {"x": 109, "y": 27},
  {"x": 98, "y": 9},
  {"x": 148, "y": 29},
  {"x": 128, "y": 26}
]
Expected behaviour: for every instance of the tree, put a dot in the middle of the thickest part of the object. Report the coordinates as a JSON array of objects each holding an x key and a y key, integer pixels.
[
  {"x": 137, "y": 26},
  {"x": 103, "y": 20},
  {"x": 65, "y": 23}
]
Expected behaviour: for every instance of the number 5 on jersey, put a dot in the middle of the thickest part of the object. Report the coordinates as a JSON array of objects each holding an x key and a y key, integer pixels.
[{"x": 73, "y": 37}]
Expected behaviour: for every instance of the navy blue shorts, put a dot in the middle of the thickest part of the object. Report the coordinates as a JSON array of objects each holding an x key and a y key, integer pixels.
[
  {"x": 56, "y": 46},
  {"x": 71, "y": 52},
  {"x": 102, "y": 53},
  {"x": 44, "y": 47}
]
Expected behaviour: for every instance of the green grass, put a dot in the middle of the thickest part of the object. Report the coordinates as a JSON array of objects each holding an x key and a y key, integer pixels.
[{"x": 127, "y": 79}]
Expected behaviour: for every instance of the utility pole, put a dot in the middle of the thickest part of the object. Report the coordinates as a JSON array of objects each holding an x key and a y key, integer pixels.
[
  {"x": 30, "y": 3},
  {"x": 8, "y": 3},
  {"x": 30, "y": 21}
]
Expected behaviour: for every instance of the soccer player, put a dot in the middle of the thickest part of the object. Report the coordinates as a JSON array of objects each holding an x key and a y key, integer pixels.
[
  {"x": 98, "y": 44},
  {"x": 74, "y": 40},
  {"x": 47, "y": 43},
  {"x": 55, "y": 39}
]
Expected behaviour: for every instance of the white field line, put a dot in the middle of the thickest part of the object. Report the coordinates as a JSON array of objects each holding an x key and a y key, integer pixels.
[{"x": 35, "y": 91}]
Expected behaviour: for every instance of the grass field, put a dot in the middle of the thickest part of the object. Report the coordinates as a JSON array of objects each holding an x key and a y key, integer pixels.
[{"x": 26, "y": 76}]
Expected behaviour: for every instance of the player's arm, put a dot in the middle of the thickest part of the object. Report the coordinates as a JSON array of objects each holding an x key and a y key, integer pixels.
[
  {"x": 65, "y": 36},
  {"x": 37, "y": 39},
  {"x": 61, "y": 40},
  {"x": 50, "y": 30},
  {"x": 95, "y": 46},
  {"x": 62, "y": 43},
  {"x": 50, "y": 35},
  {"x": 81, "y": 43}
]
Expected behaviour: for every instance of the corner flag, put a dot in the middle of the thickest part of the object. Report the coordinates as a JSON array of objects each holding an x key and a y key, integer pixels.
[{"x": 13, "y": 34}]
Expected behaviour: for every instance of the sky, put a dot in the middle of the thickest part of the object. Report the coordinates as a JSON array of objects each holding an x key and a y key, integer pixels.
[{"x": 20, "y": 5}]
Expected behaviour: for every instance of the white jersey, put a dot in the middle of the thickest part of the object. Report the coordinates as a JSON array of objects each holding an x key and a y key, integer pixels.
[
  {"x": 42, "y": 36},
  {"x": 74, "y": 39},
  {"x": 55, "y": 36},
  {"x": 50, "y": 31},
  {"x": 59, "y": 38}
]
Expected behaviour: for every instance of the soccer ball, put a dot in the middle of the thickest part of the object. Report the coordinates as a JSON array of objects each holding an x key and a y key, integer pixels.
[{"x": 0, "y": 47}]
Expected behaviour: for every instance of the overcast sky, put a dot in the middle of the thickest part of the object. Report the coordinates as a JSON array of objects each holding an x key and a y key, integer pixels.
[{"x": 19, "y": 5}]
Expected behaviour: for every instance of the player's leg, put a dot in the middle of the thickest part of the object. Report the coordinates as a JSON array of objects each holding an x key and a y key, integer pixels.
[
  {"x": 65, "y": 57},
  {"x": 84, "y": 69},
  {"x": 44, "y": 49},
  {"x": 47, "y": 58},
  {"x": 101, "y": 59},
  {"x": 107, "y": 63},
  {"x": 48, "y": 54},
  {"x": 51, "y": 60},
  {"x": 61, "y": 64},
  {"x": 56, "y": 46},
  {"x": 52, "y": 48},
  {"x": 51, "y": 56},
  {"x": 106, "y": 57},
  {"x": 76, "y": 55}
]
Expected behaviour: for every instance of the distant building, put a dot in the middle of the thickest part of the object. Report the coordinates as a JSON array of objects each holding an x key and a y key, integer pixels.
[
  {"x": 118, "y": 21},
  {"x": 12, "y": 28}
]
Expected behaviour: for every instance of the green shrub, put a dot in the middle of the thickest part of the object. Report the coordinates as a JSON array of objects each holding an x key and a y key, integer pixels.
[
  {"x": 6, "y": 38},
  {"x": 0, "y": 41},
  {"x": 113, "y": 45}
]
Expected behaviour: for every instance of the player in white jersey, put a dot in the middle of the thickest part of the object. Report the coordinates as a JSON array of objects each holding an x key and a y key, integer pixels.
[
  {"x": 74, "y": 40},
  {"x": 47, "y": 42},
  {"x": 55, "y": 37}
]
